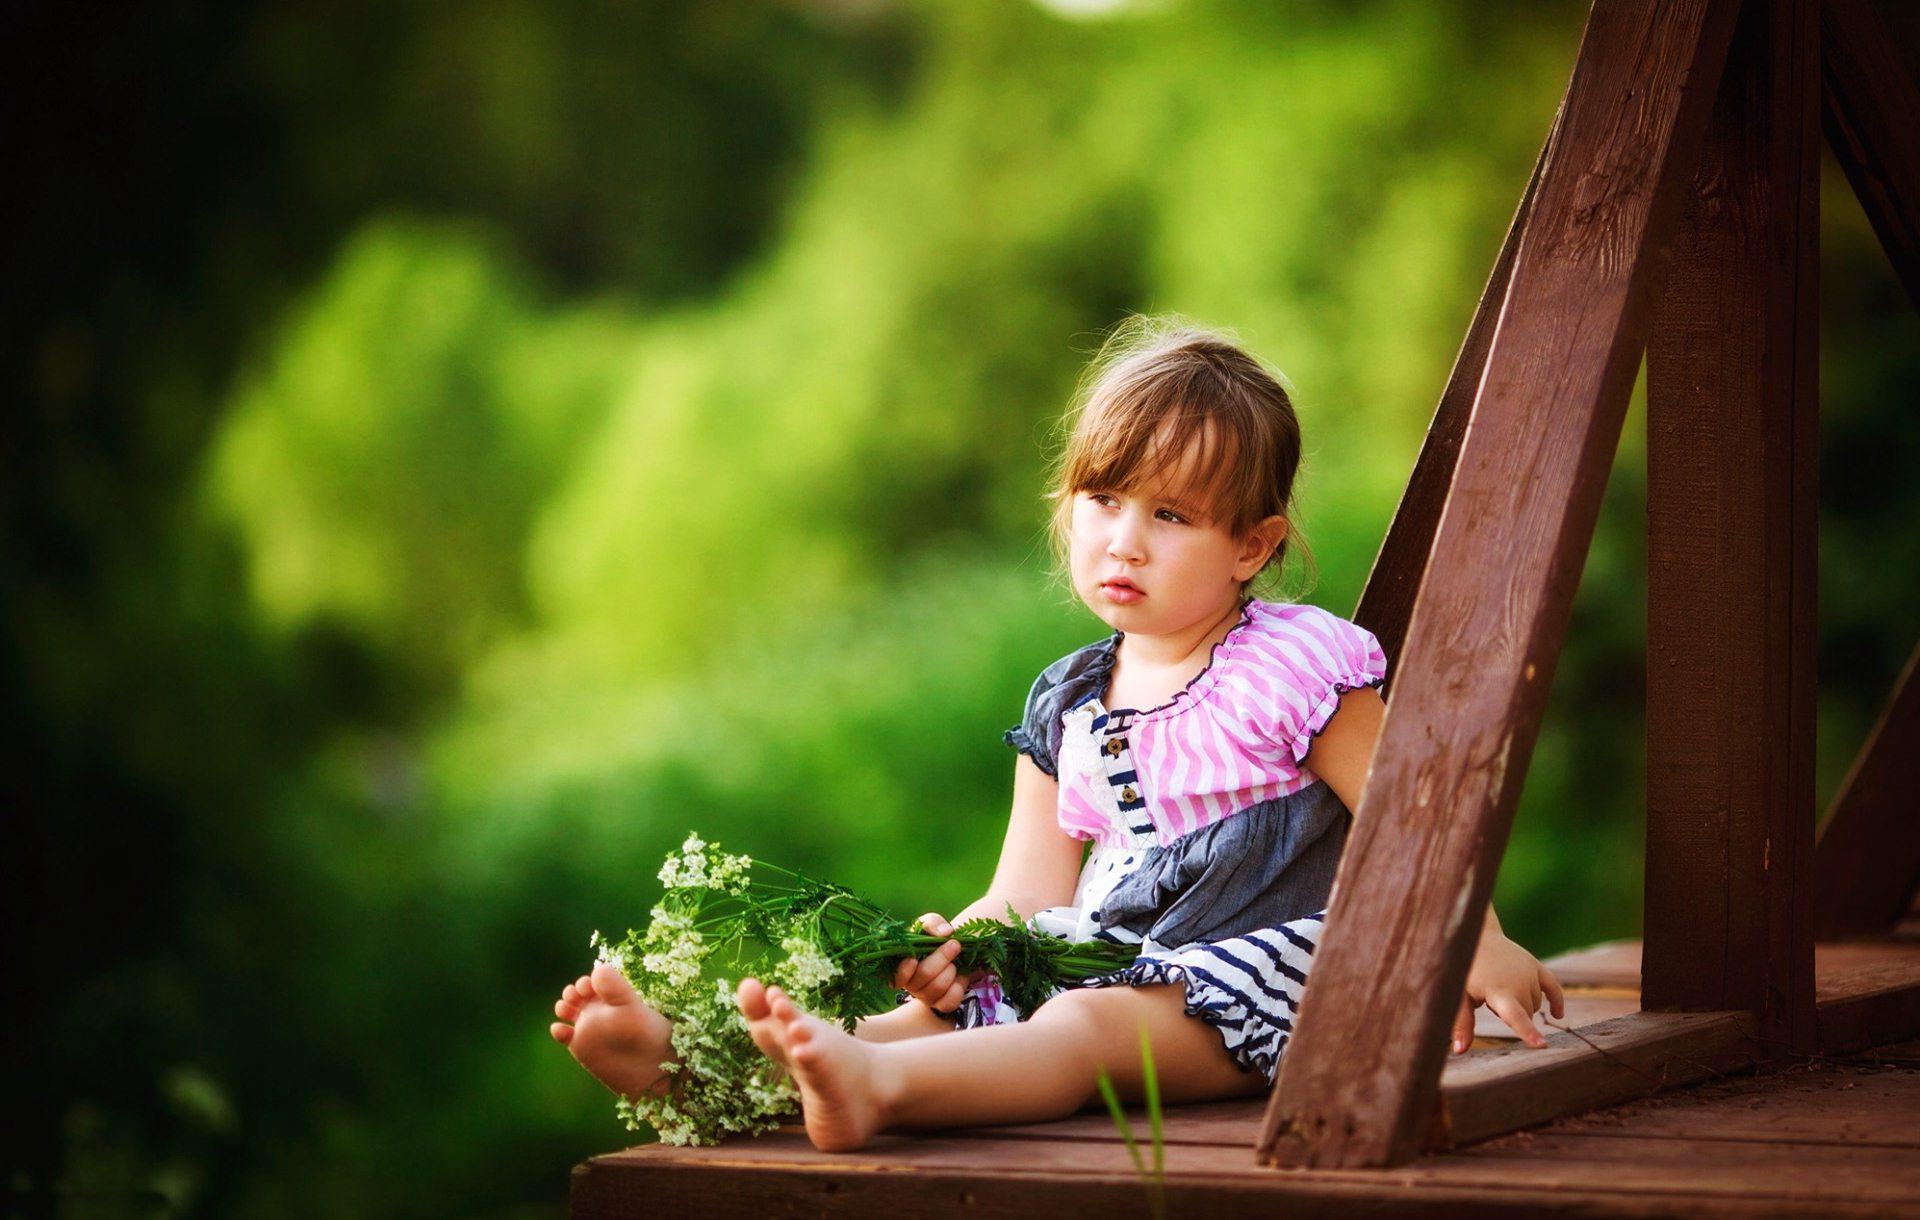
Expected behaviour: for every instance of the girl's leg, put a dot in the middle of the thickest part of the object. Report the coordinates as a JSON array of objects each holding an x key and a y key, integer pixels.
[
  {"x": 911, "y": 1020},
  {"x": 1040, "y": 1069}
]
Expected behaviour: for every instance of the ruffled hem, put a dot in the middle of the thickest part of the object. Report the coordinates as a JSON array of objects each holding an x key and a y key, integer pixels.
[
  {"x": 1023, "y": 741},
  {"x": 1316, "y": 721},
  {"x": 1212, "y": 1004}
]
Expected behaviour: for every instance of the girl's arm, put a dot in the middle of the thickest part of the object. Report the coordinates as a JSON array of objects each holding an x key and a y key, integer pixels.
[
  {"x": 1039, "y": 867},
  {"x": 1039, "y": 862},
  {"x": 1503, "y": 975}
]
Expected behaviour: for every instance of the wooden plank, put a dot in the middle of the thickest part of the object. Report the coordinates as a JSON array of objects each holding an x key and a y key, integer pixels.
[
  {"x": 635, "y": 1192},
  {"x": 1493, "y": 1092},
  {"x": 1386, "y": 603},
  {"x": 1732, "y": 524},
  {"x": 1869, "y": 993},
  {"x": 1614, "y": 963},
  {"x": 1360, "y": 1076},
  {"x": 1866, "y": 861},
  {"x": 1839, "y": 1105},
  {"x": 1852, "y": 969},
  {"x": 1872, "y": 119},
  {"x": 1584, "y": 1174}
]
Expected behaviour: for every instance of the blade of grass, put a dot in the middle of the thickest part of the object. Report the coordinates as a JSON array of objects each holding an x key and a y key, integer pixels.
[
  {"x": 1120, "y": 1119},
  {"x": 1153, "y": 1102}
]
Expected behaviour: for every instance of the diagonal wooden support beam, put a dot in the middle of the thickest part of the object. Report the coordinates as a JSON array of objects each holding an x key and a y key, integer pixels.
[
  {"x": 1872, "y": 118},
  {"x": 1867, "y": 861},
  {"x": 1359, "y": 1080},
  {"x": 1386, "y": 604},
  {"x": 1732, "y": 532}
]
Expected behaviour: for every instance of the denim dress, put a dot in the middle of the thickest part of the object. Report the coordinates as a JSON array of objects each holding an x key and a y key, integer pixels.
[{"x": 1233, "y": 907}]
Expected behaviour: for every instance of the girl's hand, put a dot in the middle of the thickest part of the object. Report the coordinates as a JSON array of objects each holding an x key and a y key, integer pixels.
[
  {"x": 933, "y": 980},
  {"x": 1509, "y": 980}
]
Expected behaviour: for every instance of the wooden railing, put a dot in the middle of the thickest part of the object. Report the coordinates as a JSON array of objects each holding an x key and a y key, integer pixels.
[{"x": 1673, "y": 211}]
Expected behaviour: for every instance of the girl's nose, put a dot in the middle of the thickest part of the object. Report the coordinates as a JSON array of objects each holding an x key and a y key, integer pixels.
[{"x": 1124, "y": 542}]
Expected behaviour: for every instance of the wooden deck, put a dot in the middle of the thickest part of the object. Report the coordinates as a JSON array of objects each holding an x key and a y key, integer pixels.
[{"x": 1835, "y": 1134}]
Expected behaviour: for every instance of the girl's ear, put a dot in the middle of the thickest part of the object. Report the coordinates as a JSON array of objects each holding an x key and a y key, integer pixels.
[{"x": 1262, "y": 539}]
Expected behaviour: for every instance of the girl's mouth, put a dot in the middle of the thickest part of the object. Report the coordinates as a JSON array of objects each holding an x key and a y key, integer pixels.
[{"x": 1121, "y": 591}]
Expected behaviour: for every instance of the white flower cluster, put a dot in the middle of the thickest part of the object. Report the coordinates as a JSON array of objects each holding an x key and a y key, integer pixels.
[
  {"x": 673, "y": 948},
  {"x": 691, "y": 868},
  {"x": 722, "y": 1084},
  {"x": 807, "y": 967}
]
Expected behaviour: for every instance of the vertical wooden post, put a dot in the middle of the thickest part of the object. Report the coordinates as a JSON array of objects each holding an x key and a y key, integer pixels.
[
  {"x": 1732, "y": 466},
  {"x": 1358, "y": 1082}
]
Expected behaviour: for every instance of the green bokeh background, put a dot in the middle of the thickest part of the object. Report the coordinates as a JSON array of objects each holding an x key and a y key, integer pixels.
[{"x": 460, "y": 448}]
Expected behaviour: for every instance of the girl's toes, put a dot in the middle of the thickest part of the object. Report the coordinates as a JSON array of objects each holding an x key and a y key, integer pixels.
[
  {"x": 562, "y": 1033},
  {"x": 609, "y": 986},
  {"x": 584, "y": 985},
  {"x": 566, "y": 1011},
  {"x": 784, "y": 1009},
  {"x": 570, "y": 994},
  {"x": 752, "y": 999}
]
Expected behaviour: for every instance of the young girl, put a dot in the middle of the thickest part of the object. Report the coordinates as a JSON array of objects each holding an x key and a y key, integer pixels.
[{"x": 1211, "y": 748}]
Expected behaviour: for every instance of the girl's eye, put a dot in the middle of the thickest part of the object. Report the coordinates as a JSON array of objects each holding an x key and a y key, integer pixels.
[{"x": 1173, "y": 516}]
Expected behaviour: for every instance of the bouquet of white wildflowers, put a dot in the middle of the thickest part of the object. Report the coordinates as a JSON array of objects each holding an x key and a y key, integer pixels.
[{"x": 831, "y": 950}]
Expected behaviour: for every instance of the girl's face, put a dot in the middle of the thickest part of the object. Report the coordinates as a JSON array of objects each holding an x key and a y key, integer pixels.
[{"x": 1149, "y": 562}]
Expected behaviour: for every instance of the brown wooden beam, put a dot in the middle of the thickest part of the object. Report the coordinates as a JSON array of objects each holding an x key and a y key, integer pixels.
[
  {"x": 1360, "y": 1077},
  {"x": 1732, "y": 525},
  {"x": 1866, "y": 862},
  {"x": 1493, "y": 1092},
  {"x": 1872, "y": 116},
  {"x": 1386, "y": 604}
]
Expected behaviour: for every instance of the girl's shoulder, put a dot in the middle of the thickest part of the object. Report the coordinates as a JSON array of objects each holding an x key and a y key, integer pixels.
[{"x": 1292, "y": 654}]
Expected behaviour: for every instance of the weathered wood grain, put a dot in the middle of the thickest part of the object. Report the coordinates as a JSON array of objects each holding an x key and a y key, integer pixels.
[
  {"x": 1504, "y": 1090},
  {"x": 1866, "y": 861},
  {"x": 1732, "y": 527},
  {"x": 1360, "y": 1076},
  {"x": 1856, "y": 1106}
]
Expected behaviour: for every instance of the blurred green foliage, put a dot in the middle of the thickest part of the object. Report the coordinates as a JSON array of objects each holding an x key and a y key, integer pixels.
[{"x": 552, "y": 428}]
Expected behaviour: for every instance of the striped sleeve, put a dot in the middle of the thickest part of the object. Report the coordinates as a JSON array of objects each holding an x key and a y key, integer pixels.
[{"x": 1315, "y": 657}]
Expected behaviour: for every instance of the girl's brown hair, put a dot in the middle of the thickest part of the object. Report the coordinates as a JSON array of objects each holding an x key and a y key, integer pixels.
[{"x": 1209, "y": 393}]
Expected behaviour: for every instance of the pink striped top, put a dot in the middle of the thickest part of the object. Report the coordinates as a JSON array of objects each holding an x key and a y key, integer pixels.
[{"x": 1234, "y": 737}]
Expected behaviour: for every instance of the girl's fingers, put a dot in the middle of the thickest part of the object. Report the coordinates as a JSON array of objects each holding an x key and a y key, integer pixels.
[
  {"x": 1463, "y": 1026},
  {"x": 932, "y": 964},
  {"x": 1507, "y": 1009},
  {"x": 1557, "y": 996},
  {"x": 951, "y": 1000}
]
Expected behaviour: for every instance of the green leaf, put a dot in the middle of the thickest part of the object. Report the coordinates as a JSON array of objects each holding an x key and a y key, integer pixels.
[{"x": 1120, "y": 1119}]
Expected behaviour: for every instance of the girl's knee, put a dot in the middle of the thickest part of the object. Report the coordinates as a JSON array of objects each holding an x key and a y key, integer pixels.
[{"x": 1079, "y": 1006}]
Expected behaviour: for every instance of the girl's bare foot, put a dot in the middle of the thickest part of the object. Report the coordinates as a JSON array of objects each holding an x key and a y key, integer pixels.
[
  {"x": 845, "y": 1090},
  {"x": 613, "y": 1035}
]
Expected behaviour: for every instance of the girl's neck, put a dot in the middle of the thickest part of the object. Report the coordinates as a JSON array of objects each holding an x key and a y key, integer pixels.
[{"x": 1171, "y": 651}]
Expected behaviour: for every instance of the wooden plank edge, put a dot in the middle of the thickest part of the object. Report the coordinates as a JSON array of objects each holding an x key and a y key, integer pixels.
[
  {"x": 1511, "y": 1088},
  {"x": 605, "y": 1189},
  {"x": 1874, "y": 1018}
]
